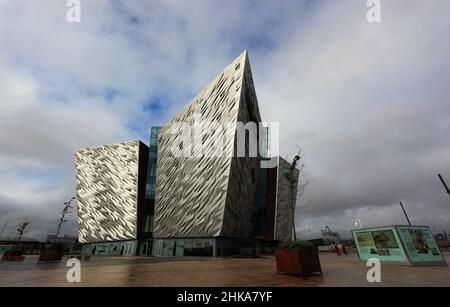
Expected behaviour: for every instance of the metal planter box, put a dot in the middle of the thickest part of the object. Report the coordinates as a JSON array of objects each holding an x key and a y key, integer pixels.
[
  {"x": 51, "y": 253},
  {"x": 299, "y": 262}
]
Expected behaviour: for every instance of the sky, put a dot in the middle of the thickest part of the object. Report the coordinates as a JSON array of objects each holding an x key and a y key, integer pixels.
[{"x": 367, "y": 102}]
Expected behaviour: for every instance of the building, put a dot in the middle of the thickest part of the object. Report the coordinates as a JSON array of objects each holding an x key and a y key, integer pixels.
[
  {"x": 111, "y": 197},
  {"x": 272, "y": 211},
  {"x": 203, "y": 202},
  {"x": 29, "y": 246},
  {"x": 192, "y": 192},
  {"x": 66, "y": 240},
  {"x": 149, "y": 207}
]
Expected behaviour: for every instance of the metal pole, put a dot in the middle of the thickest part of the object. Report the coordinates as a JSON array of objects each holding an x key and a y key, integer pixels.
[
  {"x": 444, "y": 184},
  {"x": 406, "y": 215}
]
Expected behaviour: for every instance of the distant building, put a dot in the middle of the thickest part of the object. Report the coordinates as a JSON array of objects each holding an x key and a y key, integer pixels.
[
  {"x": 29, "y": 246},
  {"x": 67, "y": 240}
]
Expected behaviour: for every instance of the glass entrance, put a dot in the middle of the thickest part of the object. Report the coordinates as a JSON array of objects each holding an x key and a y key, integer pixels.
[{"x": 146, "y": 248}]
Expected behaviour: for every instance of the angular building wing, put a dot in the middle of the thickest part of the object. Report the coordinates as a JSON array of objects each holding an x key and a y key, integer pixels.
[
  {"x": 110, "y": 187},
  {"x": 273, "y": 209},
  {"x": 285, "y": 193},
  {"x": 201, "y": 195}
]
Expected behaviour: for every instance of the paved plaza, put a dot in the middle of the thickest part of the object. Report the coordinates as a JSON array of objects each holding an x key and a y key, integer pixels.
[{"x": 232, "y": 272}]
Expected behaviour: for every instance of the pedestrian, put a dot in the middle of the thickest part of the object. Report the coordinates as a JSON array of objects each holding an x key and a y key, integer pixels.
[
  {"x": 339, "y": 247},
  {"x": 344, "y": 250}
]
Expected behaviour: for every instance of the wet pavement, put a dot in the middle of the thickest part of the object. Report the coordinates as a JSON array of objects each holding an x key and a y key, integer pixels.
[{"x": 232, "y": 272}]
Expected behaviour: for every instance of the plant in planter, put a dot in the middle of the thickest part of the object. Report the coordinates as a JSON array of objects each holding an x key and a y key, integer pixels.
[
  {"x": 297, "y": 257},
  {"x": 51, "y": 252}
]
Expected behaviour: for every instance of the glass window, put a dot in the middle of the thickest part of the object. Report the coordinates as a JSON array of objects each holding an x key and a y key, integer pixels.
[{"x": 148, "y": 223}]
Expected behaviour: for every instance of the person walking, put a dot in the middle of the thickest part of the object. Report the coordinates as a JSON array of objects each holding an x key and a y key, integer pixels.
[
  {"x": 336, "y": 249},
  {"x": 339, "y": 248}
]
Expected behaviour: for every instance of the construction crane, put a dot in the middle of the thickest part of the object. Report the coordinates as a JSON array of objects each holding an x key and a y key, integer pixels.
[{"x": 330, "y": 236}]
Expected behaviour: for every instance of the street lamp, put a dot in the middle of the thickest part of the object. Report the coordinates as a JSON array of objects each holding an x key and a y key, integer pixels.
[{"x": 358, "y": 223}]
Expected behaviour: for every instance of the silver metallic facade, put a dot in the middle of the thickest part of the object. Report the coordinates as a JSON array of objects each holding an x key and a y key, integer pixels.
[
  {"x": 202, "y": 204},
  {"x": 107, "y": 192},
  {"x": 209, "y": 196},
  {"x": 283, "y": 210}
]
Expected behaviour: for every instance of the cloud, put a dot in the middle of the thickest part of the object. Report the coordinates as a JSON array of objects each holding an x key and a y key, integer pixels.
[{"x": 367, "y": 102}]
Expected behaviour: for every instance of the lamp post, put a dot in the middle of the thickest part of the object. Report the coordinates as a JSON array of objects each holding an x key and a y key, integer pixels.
[
  {"x": 358, "y": 223},
  {"x": 444, "y": 184},
  {"x": 404, "y": 212},
  {"x": 65, "y": 210}
]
